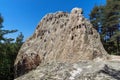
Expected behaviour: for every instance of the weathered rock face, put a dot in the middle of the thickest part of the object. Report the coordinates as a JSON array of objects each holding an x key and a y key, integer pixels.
[{"x": 60, "y": 37}]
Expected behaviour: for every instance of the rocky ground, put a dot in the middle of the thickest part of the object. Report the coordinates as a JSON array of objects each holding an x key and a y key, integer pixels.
[{"x": 82, "y": 70}]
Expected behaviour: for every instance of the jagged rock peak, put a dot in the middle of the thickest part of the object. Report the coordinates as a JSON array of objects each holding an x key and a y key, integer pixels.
[
  {"x": 60, "y": 37},
  {"x": 76, "y": 10}
]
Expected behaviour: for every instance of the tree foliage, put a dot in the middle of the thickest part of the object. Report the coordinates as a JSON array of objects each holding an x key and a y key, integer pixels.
[
  {"x": 8, "y": 52},
  {"x": 106, "y": 20}
]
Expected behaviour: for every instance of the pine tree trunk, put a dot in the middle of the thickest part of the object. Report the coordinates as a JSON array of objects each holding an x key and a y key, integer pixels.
[{"x": 118, "y": 52}]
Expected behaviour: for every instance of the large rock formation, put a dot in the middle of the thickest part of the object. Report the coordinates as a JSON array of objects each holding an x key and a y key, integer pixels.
[{"x": 60, "y": 37}]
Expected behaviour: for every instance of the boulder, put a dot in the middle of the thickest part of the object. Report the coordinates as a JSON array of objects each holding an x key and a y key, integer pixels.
[{"x": 60, "y": 37}]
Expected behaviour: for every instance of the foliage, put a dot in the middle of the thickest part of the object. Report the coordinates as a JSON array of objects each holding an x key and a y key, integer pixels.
[
  {"x": 8, "y": 52},
  {"x": 106, "y": 20}
]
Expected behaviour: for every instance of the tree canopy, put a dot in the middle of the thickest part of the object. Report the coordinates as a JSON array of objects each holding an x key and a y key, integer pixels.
[
  {"x": 8, "y": 52},
  {"x": 106, "y": 20}
]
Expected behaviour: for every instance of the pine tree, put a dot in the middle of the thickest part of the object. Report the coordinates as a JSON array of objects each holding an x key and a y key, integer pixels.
[
  {"x": 8, "y": 52},
  {"x": 98, "y": 20},
  {"x": 96, "y": 17},
  {"x": 19, "y": 39},
  {"x": 106, "y": 20},
  {"x": 112, "y": 12}
]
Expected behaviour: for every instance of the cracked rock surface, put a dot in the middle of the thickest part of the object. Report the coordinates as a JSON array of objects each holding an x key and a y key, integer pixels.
[{"x": 83, "y": 70}]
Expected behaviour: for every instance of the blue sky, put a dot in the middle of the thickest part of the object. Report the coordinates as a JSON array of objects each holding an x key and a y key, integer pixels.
[{"x": 24, "y": 15}]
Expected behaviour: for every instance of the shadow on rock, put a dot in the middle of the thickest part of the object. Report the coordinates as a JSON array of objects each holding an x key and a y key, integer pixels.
[
  {"x": 111, "y": 72},
  {"x": 27, "y": 64}
]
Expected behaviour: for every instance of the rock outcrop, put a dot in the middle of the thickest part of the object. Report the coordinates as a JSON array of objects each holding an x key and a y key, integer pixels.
[
  {"x": 60, "y": 37},
  {"x": 82, "y": 70}
]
